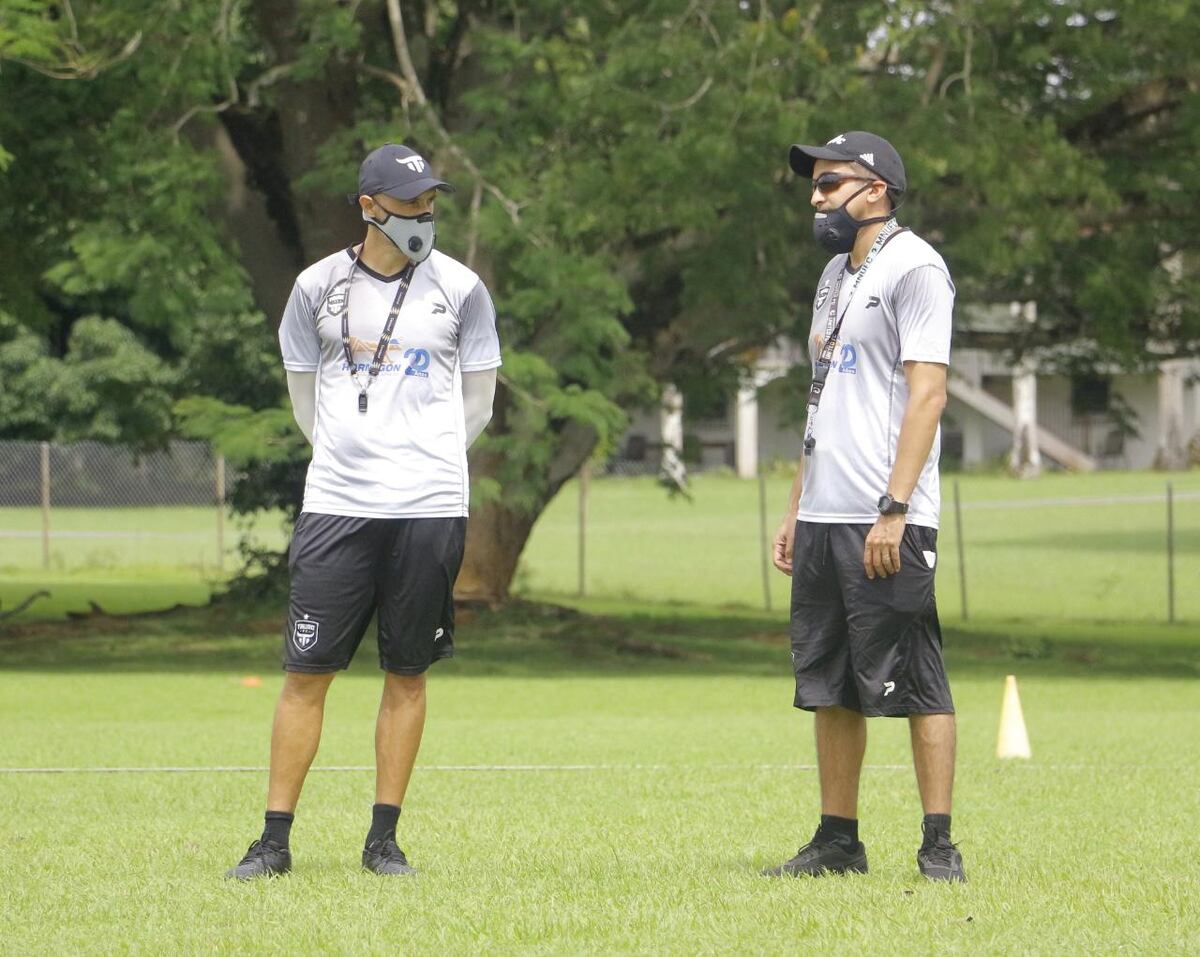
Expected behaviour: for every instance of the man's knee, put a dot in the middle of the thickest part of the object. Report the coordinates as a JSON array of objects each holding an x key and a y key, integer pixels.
[
  {"x": 401, "y": 690},
  {"x": 837, "y": 713},
  {"x": 303, "y": 688}
]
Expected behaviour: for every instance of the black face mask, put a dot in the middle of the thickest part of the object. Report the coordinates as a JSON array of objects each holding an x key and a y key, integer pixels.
[{"x": 836, "y": 230}]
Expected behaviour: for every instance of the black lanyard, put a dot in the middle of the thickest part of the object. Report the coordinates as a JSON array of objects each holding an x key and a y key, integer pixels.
[
  {"x": 833, "y": 326},
  {"x": 385, "y": 340}
]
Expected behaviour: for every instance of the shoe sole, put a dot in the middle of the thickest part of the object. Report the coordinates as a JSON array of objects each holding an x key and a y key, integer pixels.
[
  {"x": 948, "y": 878},
  {"x": 854, "y": 867},
  {"x": 233, "y": 875},
  {"x": 411, "y": 872}
]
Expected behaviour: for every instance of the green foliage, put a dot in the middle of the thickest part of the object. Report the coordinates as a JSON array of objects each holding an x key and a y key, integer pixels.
[
  {"x": 108, "y": 387},
  {"x": 111, "y": 388},
  {"x": 637, "y": 222},
  {"x": 263, "y": 446},
  {"x": 230, "y": 355},
  {"x": 27, "y": 373}
]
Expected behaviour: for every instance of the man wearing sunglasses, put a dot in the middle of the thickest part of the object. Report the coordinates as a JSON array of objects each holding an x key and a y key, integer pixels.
[{"x": 859, "y": 537}]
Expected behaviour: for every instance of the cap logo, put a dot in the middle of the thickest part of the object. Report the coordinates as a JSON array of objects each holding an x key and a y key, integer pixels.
[
  {"x": 414, "y": 163},
  {"x": 837, "y": 140},
  {"x": 868, "y": 158}
]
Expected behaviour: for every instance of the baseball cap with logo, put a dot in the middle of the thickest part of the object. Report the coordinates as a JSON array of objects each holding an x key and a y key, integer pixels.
[
  {"x": 857, "y": 146},
  {"x": 397, "y": 171}
]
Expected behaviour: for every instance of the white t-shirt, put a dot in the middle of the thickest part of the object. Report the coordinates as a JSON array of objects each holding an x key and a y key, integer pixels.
[
  {"x": 900, "y": 312},
  {"x": 405, "y": 457}
]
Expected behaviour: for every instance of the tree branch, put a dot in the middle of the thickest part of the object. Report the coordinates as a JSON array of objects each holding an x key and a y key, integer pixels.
[
  {"x": 934, "y": 73},
  {"x": 74, "y": 69},
  {"x": 21, "y": 606},
  {"x": 230, "y": 100},
  {"x": 473, "y": 224},
  {"x": 222, "y": 32},
  {"x": 691, "y": 100},
  {"x": 267, "y": 78},
  {"x": 814, "y": 14},
  {"x": 417, "y": 92}
]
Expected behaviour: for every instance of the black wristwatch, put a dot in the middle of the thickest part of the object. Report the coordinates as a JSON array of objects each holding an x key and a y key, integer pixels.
[{"x": 889, "y": 506}]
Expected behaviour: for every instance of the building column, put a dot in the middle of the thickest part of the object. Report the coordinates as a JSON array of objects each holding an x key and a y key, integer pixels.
[
  {"x": 670, "y": 420},
  {"x": 1172, "y": 441},
  {"x": 745, "y": 436},
  {"x": 1026, "y": 458}
]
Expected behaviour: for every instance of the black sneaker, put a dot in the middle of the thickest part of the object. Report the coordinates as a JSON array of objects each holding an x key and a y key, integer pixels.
[
  {"x": 823, "y": 857},
  {"x": 264, "y": 859},
  {"x": 384, "y": 857},
  {"x": 938, "y": 859}
]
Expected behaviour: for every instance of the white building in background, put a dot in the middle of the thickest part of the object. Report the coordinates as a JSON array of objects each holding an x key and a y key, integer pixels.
[{"x": 1029, "y": 417}]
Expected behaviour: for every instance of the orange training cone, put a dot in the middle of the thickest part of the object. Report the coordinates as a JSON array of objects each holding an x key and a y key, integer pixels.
[{"x": 1013, "y": 741}]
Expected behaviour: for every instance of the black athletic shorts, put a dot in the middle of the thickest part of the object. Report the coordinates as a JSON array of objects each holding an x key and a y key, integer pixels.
[
  {"x": 344, "y": 570},
  {"x": 870, "y": 645}
]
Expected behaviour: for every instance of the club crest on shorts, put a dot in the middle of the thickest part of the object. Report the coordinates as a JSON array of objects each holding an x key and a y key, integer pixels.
[
  {"x": 822, "y": 296},
  {"x": 304, "y": 634}
]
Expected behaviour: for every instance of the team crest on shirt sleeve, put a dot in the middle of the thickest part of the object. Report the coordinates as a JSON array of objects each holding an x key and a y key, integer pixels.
[{"x": 822, "y": 296}]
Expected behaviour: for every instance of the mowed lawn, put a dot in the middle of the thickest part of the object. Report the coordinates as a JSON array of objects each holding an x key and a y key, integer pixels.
[
  {"x": 1082, "y": 547},
  {"x": 589, "y": 784},
  {"x": 126, "y": 560}
]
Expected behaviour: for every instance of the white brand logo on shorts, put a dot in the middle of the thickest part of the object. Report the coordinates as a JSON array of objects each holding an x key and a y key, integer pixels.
[
  {"x": 438, "y": 634},
  {"x": 414, "y": 163},
  {"x": 888, "y": 688},
  {"x": 304, "y": 635},
  {"x": 930, "y": 558}
]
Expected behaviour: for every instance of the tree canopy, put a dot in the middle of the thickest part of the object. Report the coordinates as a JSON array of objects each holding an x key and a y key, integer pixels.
[{"x": 169, "y": 167}]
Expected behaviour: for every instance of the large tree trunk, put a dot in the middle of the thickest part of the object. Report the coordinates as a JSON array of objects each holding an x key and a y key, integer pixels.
[
  {"x": 496, "y": 536},
  {"x": 277, "y": 145},
  {"x": 497, "y": 530}
]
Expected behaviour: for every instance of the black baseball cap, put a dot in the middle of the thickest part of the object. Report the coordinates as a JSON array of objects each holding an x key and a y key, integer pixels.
[
  {"x": 857, "y": 146},
  {"x": 397, "y": 171}
]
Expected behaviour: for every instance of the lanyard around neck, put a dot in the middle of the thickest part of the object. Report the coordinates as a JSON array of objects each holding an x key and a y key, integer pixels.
[
  {"x": 385, "y": 339},
  {"x": 833, "y": 325}
]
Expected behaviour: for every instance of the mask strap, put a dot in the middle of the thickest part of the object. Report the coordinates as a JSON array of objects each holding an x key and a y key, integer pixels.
[{"x": 860, "y": 223}]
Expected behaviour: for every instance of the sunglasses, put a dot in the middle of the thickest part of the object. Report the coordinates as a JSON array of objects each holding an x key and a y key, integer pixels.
[{"x": 826, "y": 183}]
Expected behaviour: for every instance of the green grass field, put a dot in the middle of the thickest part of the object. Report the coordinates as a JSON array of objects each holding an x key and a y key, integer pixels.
[
  {"x": 1027, "y": 553},
  {"x": 660, "y": 766},
  {"x": 609, "y": 777},
  {"x": 1086, "y": 561},
  {"x": 127, "y": 560}
]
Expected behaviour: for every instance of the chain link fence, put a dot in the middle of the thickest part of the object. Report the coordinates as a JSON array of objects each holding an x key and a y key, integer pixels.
[
  {"x": 66, "y": 507},
  {"x": 1111, "y": 546},
  {"x": 1101, "y": 547}
]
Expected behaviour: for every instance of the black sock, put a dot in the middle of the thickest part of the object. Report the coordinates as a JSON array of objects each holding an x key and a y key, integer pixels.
[
  {"x": 278, "y": 827},
  {"x": 384, "y": 818},
  {"x": 840, "y": 830},
  {"x": 939, "y": 824}
]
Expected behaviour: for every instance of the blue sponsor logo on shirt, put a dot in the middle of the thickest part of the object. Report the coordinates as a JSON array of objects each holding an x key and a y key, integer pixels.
[
  {"x": 419, "y": 364},
  {"x": 849, "y": 361}
]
